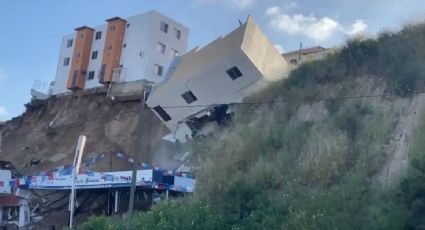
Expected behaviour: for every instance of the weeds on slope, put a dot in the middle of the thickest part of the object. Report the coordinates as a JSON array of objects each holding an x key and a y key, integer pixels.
[{"x": 269, "y": 170}]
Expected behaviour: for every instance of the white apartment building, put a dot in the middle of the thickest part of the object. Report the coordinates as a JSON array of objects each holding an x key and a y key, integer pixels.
[
  {"x": 223, "y": 72},
  {"x": 135, "y": 48}
]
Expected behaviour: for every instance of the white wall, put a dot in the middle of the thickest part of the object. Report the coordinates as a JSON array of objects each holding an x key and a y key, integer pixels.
[
  {"x": 136, "y": 40},
  {"x": 5, "y": 177},
  {"x": 96, "y": 64},
  {"x": 170, "y": 42},
  {"x": 203, "y": 72},
  {"x": 211, "y": 86},
  {"x": 63, "y": 71},
  {"x": 141, "y": 37}
]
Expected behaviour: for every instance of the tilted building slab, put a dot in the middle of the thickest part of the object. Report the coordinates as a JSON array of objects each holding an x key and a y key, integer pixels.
[{"x": 223, "y": 72}]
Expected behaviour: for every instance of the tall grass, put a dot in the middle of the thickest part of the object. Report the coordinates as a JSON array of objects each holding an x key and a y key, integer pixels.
[{"x": 269, "y": 170}]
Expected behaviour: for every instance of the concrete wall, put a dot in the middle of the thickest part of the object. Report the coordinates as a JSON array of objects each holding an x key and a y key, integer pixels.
[
  {"x": 265, "y": 57},
  {"x": 170, "y": 42},
  {"x": 306, "y": 57},
  {"x": 96, "y": 64},
  {"x": 139, "y": 53},
  {"x": 62, "y": 71},
  {"x": 203, "y": 72}
]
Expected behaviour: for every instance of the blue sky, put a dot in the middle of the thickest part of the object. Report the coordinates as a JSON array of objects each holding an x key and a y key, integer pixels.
[{"x": 32, "y": 29}]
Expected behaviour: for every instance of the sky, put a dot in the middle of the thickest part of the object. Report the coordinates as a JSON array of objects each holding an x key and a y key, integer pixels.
[{"x": 32, "y": 30}]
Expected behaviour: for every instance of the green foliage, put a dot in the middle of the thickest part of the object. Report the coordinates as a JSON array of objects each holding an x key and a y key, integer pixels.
[
  {"x": 172, "y": 215},
  {"x": 413, "y": 186},
  {"x": 270, "y": 169},
  {"x": 102, "y": 223}
]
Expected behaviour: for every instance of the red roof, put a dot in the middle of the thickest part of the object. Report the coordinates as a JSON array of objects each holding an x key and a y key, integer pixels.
[
  {"x": 9, "y": 201},
  {"x": 306, "y": 50}
]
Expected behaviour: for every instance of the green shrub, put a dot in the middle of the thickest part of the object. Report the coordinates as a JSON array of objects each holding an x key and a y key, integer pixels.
[
  {"x": 102, "y": 223},
  {"x": 271, "y": 170}
]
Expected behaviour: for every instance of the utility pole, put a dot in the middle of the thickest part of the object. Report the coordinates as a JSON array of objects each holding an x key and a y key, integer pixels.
[
  {"x": 299, "y": 53},
  {"x": 75, "y": 170},
  {"x": 136, "y": 152}
]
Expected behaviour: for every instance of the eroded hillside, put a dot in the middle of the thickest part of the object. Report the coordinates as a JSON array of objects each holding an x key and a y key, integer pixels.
[{"x": 45, "y": 136}]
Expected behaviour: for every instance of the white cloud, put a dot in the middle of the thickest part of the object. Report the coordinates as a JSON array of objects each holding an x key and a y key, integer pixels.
[
  {"x": 3, "y": 75},
  {"x": 272, "y": 11},
  {"x": 279, "y": 48},
  {"x": 243, "y": 3},
  {"x": 3, "y": 111},
  {"x": 358, "y": 27},
  {"x": 318, "y": 29},
  {"x": 310, "y": 26},
  {"x": 238, "y": 3}
]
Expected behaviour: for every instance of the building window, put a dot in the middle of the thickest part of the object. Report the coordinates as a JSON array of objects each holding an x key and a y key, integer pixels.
[
  {"x": 124, "y": 45},
  {"x": 189, "y": 97},
  {"x": 234, "y": 73},
  {"x": 109, "y": 47},
  {"x": 128, "y": 25},
  {"x": 98, "y": 35},
  {"x": 174, "y": 52},
  {"x": 69, "y": 43},
  {"x": 66, "y": 61},
  {"x": 161, "y": 112},
  {"x": 94, "y": 55},
  {"x": 293, "y": 61},
  {"x": 113, "y": 28},
  {"x": 160, "y": 47},
  {"x": 91, "y": 75},
  {"x": 157, "y": 70},
  {"x": 177, "y": 33},
  {"x": 164, "y": 27}
]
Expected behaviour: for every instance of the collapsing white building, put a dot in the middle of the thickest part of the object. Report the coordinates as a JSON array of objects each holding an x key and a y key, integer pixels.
[{"x": 205, "y": 80}]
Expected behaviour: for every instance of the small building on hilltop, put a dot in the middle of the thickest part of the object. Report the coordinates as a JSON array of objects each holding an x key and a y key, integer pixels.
[
  {"x": 140, "y": 47},
  {"x": 297, "y": 57},
  {"x": 204, "y": 81}
]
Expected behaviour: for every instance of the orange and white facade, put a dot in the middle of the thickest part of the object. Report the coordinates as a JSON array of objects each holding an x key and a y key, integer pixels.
[{"x": 139, "y": 47}]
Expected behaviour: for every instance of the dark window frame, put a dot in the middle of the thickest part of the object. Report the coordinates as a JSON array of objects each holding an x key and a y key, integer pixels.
[
  {"x": 234, "y": 73},
  {"x": 162, "y": 46},
  {"x": 160, "y": 69},
  {"x": 164, "y": 27},
  {"x": 98, "y": 35},
  {"x": 69, "y": 43},
  {"x": 177, "y": 33},
  {"x": 162, "y": 113},
  {"x": 91, "y": 75},
  {"x": 94, "y": 55},
  {"x": 66, "y": 61},
  {"x": 189, "y": 97}
]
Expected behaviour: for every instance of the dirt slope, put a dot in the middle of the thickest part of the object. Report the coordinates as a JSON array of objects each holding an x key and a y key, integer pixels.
[{"x": 45, "y": 136}]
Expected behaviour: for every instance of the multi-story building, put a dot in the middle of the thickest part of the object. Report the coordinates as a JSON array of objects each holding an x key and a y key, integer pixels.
[
  {"x": 136, "y": 48},
  {"x": 206, "y": 80}
]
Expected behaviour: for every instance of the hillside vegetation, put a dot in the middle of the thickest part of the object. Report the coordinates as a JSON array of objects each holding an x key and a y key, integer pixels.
[{"x": 312, "y": 156}]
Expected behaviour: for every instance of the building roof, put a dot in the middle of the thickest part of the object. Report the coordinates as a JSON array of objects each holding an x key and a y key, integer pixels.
[
  {"x": 9, "y": 201},
  {"x": 115, "y": 18},
  {"x": 83, "y": 27},
  {"x": 305, "y": 51}
]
